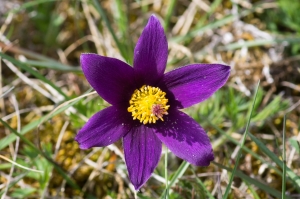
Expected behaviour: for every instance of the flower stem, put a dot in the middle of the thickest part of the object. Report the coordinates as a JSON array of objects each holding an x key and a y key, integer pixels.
[{"x": 166, "y": 174}]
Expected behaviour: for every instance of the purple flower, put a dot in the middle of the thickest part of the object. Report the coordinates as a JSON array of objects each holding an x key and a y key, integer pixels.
[{"x": 145, "y": 104}]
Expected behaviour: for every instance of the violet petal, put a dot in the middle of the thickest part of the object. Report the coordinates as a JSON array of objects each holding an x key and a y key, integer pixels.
[
  {"x": 185, "y": 138},
  {"x": 151, "y": 53},
  {"x": 104, "y": 128},
  {"x": 142, "y": 153},
  {"x": 111, "y": 78},
  {"x": 195, "y": 83}
]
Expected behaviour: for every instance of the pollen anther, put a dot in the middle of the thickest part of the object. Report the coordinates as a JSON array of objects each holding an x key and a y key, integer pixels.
[{"x": 148, "y": 104}]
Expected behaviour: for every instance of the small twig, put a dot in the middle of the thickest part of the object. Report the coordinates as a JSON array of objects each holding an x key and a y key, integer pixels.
[
  {"x": 28, "y": 81},
  {"x": 21, "y": 166},
  {"x": 6, "y": 92},
  {"x": 65, "y": 103},
  {"x": 24, "y": 52},
  {"x": 63, "y": 184},
  {"x": 26, "y": 110},
  {"x": 94, "y": 30},
  {"x": 291, "y": 85},
  {"x": 292, "y": 107},
  {"x": 59, "y": 139},
  {"x": 77, "y": 43}
]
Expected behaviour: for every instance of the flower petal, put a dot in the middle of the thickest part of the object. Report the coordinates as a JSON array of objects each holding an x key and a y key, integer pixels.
[
  {"x": 111, "y": 78},
  {"x": 151, "y": 53},
  {"x": 194, "y": 83},
  {"x": 142, "y": 153},
  {"x": 104, "y": 128},
  {"x": 185, "y": 138}
]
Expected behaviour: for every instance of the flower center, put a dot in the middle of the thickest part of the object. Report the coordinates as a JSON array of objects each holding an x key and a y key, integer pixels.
[{"x": 148, "y": 104}]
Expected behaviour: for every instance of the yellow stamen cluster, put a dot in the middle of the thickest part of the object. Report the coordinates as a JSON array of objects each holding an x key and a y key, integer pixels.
[{"x": 148, "y": 104}]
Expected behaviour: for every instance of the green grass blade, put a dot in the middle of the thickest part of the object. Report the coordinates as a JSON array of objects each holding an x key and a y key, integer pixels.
[
  {"x": 12, "y": 137},
  {"x": 253, "y": 181},
  {"x": 216, "y": 24},
  {"x": 30, "y": 4},
  {"x": 284, "y": 160},
  {"x": 213, "y": 7},
  {"x": 200, "y": 30},
  {"x": 141, "y": 196},
  {"x": 252, "y": 190},
  {"x": 22, "y": 193},
  {"x": 294, "y": 177},
  {"x": 15, "y": 181},
  {"x": 112, "y": 32},
  {"x": 19, "y": 135},
  {"x": 295, "y": 144},
  {"x": 276, "y": 105},
  {"x": 5, "y": 166},
  {"x": 121, "y": 19},
  {"x": 34, "y": 73},
  {"x": 227, "y": 136},
  {"x": 53, "y": 66},
  {"x": 166, "y": 174},
  {"x": 210, "y": 196},
  {"x": 228, "y": 188},
  {"x": 169, "y": 14},
  {"x": 28, "y": 53},
  {"x": 180, "y": 171},
  {"x": 31, "y": 145}
]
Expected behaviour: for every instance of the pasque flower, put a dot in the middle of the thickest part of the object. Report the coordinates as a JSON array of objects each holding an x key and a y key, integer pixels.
[{"x": 146, "y": 102}]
